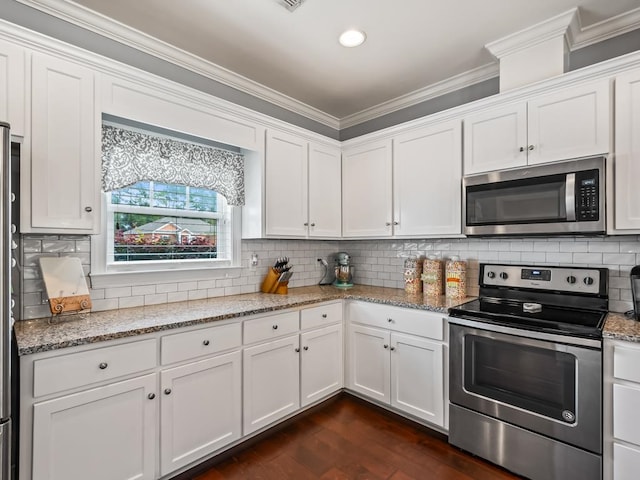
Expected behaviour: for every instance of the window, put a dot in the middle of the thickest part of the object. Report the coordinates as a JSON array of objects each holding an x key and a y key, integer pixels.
[
  {"x": 171, "y": 205},
  {"x": 155, "y": 222}
]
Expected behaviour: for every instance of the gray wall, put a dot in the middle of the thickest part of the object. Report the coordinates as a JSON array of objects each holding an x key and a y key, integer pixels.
[{"x": 33, "y": 19}]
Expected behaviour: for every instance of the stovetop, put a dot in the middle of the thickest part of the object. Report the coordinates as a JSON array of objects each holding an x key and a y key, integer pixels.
[{"x": 561, "y": 300}]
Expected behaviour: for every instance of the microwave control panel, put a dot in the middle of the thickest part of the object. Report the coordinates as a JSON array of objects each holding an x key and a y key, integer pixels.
[{"x": 587, "y": 196}]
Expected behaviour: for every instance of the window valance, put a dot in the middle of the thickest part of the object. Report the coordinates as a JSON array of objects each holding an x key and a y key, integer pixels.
[{"x": 131, "y": 156}]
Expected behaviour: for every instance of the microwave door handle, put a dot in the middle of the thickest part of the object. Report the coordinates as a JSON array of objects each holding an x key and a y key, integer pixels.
[{"x": 570, "y": 197}]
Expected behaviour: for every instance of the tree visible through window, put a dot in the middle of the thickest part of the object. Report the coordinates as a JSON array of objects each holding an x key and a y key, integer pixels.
[{"x": 151, "y": 221}]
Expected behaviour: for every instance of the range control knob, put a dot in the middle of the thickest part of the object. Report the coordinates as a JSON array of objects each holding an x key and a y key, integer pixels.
[
  {"x": 503, "y": 275},
  {"x": 491, "y": 274},
  {"x": 588, "y": 281},
  {"x": 571, "y": 279}
]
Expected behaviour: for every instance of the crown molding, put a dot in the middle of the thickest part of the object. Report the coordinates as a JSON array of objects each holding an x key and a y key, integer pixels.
[
  {"x": 540, "y": 32},
  {"x": 567, "y": 24},
  {"x": 97, "y": 23},
  {"x": 434, "y": 90}
]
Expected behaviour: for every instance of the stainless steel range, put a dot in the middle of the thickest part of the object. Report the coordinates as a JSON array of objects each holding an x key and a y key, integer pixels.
[{"x": 525, "y": 382}]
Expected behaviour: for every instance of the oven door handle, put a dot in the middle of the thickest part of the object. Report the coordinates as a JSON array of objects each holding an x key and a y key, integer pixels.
[
  {"x": 468, "y": 321},
  {"x": 570, "y": 197}
]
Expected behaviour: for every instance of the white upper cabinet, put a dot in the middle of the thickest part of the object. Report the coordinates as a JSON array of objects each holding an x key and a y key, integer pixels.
[
  {"x": 12, "y": 87},
  {"x": 325, "y": 191},
  {"x": 570, "y": 123},
  {"x": 63, "y": 193},
  {"x": 624, "y": 172},
  {"x": 302, "y": 187},
  {"x": 286, "y": 185},
  {"x": 427, "y": 179},
  {"x": 366, "y": 190}
]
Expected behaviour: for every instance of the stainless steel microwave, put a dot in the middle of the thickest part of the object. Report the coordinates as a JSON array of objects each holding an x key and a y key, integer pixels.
[{"x": 557, "y": 198}]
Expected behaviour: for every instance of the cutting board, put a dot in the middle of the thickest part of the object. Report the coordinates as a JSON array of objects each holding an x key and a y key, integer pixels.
[{"x": 65, "y": 284}]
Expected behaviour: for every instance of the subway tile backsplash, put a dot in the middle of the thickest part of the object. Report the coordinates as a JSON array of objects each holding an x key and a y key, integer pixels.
[{"x": 376, "y": 262}]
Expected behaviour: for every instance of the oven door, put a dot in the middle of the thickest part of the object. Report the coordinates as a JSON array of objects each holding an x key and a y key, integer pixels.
[{"x": 541, "y": 385}]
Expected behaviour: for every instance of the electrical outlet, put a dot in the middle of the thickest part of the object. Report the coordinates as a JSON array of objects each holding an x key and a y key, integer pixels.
[{"x": 253, "y": 262}]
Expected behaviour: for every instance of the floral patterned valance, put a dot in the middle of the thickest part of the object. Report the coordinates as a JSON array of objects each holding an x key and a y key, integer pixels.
[{"x": 129, "y": 157}]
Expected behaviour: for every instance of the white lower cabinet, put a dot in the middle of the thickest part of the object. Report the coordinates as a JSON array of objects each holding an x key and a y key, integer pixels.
[
  {"x": 106, "y": 433},
  {"x": 200, "y": 409},
  {"x": 271, "y": 382},
  {"x": 321, "y": 364},
  {"x": 393, "y": 366}
]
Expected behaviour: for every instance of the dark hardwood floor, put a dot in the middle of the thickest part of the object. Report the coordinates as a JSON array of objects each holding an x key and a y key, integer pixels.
[{"x": 347, "y": 438}]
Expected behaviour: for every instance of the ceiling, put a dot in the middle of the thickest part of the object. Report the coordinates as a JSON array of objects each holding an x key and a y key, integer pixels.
[{"x": 411, "y": 44}]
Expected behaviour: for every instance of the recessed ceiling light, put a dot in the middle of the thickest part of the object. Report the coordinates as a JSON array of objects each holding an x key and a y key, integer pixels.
[{"x": 352, "y": 38}]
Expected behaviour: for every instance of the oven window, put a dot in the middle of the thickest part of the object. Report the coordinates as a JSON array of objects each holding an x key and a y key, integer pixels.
[
  {"x": 537, "y": 200},
  {"x": 535, "y": 379}
]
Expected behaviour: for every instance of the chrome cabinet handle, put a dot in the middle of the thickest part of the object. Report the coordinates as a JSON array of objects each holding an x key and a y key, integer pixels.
[
  {"x": 151, "y": 396},
  {"x": 393, "y": 348},
  {"x": 324, "y": 315},
  {"x": 167, "y": 391},
  {"x": 313, "y": 224},
  {"x": 306, "y": 348},
  {"x": 88, "y": 209},
  {"x": 522, "y": 149},
  {"x": 297, "y": 349},
  {"x": 103, "y": 365},
  {"x": 386, "y": 346},
  {"x": 205, "y": 343},
  {"x": 275, "y": 327},
  {"x": 531, "y": 147}
]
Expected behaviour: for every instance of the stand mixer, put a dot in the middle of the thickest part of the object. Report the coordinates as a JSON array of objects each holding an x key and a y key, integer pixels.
[{"x": 342, "y": 274}]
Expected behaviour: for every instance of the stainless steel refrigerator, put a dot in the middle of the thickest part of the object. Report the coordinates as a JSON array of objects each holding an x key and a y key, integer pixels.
[{"x": 6, "y": 320}]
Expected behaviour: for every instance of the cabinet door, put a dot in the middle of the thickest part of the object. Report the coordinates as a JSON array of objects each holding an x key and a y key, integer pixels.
[
  {"x": 574, "y": 122},
  {"x": 626, "y": 169},
  {"x": 321, "y": 363},
  {"x": 369, "y": 362},
  {"x": 626, "y": 462},
  {"x": 325, "y": 191},
  {"x": 271, "y": 382},
  {"x": 200, "y": 410},
  {"x": 286, "y": 185},
  {"x": 12, "y": 87},
  {"x": 495, "y": 139},
  {"x": 366, "y": 190},
  {"x": 427, "y": 181},
  {"x": 64, "y": 163},
  {"x": 108, "y": 433},
  {"x": 417, "y": 381}
]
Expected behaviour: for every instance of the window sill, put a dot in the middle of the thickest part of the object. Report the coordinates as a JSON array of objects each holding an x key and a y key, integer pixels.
[{"x": 136, "y": 278}]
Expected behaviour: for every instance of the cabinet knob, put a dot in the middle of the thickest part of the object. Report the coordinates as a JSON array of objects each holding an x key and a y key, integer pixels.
[
  {"x": 297, "y": 349},
  {"x": 530, "y": 147},
  {"x": 275, "y": 327},
  {"x": 324, "y": 315},
  {"x": 522, "y": 149},
  {"x": 103, "y": 365},
  {"x": 313, "y": 224},
  {"x": 386, "y": 346},
  {"x": 388, "y": 224},
  {"x": 167, "y": 391},
  {"x": 390, "y": 320},
  {"x": 393, "y": 348},
  {"x": 205, "y": 343},
  {"x": 396, "y": 223},
  {"x": 306, "y": 224},
  {"x": 151, "y": 396},
  {"x": 306, "y": 348},
  {"x": 88, "y": 209}
]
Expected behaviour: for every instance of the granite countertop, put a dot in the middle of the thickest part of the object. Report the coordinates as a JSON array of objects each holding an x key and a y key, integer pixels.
[
  {"x": 46, "y": 334},
  {"x": 619, "y": 327}
]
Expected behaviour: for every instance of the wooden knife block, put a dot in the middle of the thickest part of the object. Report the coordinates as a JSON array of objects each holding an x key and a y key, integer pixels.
[{"x": 270, "y": 284}]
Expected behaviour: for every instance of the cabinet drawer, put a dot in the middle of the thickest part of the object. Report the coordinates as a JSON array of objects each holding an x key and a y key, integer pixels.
[
  {"x": 321, "y": 315},
  {"x": 196, "y": 343},
  {"x": 406, "y": 320},
  {"x": 625, "y": 362},
  {"x": 626, "y": 422},
  {"x": 74, "y": 370},
  {"x": 273, "y": 326},
  {"x": 626, "y": 462}
]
